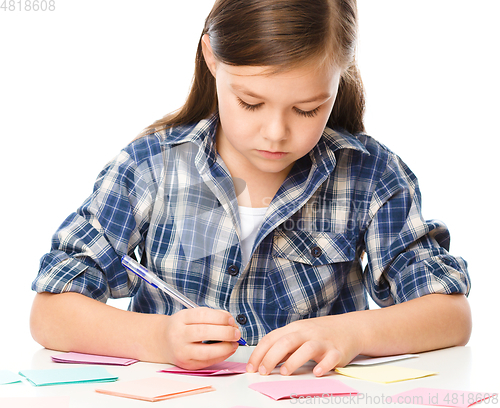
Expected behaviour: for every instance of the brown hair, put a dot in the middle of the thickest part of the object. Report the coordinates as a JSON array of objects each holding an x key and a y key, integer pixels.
[{"x": 282, "y": 34}]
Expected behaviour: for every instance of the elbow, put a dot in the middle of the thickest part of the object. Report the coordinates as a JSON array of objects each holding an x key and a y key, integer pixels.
[
  {"x": 464, "y": 320},
  {"x": 40, "y": 319}
]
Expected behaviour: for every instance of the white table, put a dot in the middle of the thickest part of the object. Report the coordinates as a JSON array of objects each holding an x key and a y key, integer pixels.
[{"x": 459, "y": 368}]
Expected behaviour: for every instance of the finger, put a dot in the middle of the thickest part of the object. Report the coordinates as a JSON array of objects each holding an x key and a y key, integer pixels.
[
  {"x": 309, "y": 350},
  {"x": 197, "y": 355},
  {"x": 279, "y": 351},
  {"x": 195, "y": 333},
  {"x": 260, "y": 351},
  {"x": 330, "y": 360},
  {"x": 207, "y": 316}
]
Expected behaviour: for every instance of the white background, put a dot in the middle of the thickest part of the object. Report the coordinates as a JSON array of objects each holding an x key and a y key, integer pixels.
[{"x": 80, "y": 82}]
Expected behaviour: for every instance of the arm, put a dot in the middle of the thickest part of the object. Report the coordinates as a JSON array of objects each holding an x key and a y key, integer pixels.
[
  {"x": 409, "y": 271},
  {"x": 83, "y": 270},
  {"x": 74, "y": 322},
  {"x": 427, "y": 323}
]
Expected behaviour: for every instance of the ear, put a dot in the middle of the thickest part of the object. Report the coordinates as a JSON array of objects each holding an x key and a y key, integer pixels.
[{"x": 208, "y": 54}]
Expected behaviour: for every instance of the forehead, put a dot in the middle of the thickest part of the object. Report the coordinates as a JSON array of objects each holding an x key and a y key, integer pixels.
[
  {"x": 309, "y": 70},
  {"x": 306, "y": 77}
]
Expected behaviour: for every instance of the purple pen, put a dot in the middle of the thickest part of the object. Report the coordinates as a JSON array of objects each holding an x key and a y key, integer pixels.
[{"x": 156, "y": 282}]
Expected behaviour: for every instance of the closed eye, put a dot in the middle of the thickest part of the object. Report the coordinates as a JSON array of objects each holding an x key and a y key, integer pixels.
[
  {"x": 307, "y": 114},
  {"x": 251, "y": 108},
  {"x": 247, "y": 106}
]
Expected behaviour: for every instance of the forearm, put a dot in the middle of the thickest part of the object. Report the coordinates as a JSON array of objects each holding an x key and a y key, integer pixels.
[
  {"x": 427, "y": 323},
  {"x": 73, "y": 322}
]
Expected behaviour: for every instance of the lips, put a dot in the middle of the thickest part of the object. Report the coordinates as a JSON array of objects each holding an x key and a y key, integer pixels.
[{"x": 272, "y": 155}]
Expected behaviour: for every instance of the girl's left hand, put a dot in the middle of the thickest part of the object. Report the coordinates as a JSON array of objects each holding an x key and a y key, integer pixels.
[{"x": 331, "y": 341}]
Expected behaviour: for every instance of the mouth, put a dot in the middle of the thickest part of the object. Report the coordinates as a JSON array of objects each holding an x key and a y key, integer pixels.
[{"x": 272, "y": 155}]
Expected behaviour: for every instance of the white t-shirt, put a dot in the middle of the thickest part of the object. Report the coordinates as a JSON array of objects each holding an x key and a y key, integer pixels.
[{"x": 250, "y": 218}]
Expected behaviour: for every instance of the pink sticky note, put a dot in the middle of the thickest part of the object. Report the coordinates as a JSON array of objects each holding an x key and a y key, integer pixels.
[
  {"x": 441, "y": 398},
  {"x": 79, "y": 358},
  {"x": 320, "y": 387},
  {"x": 223, "y": 368},
  {"x": 153, "y": 389}
]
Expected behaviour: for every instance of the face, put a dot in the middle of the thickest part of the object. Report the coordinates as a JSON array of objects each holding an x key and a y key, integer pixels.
[{"x": 268, "y": 121}]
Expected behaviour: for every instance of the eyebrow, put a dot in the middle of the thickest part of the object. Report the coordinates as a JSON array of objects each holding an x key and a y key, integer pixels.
[{"x": 320, "y": 97}]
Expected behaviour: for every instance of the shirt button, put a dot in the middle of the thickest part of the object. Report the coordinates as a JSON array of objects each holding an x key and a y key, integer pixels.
[
  {"x": 241, "y": 319},
  {"x": 233, "y": 270},
  {"x": 316, "y": 252}
]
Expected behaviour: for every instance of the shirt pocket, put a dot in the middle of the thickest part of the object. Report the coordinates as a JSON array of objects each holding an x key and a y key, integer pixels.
[{"x": 310, "y": 270}]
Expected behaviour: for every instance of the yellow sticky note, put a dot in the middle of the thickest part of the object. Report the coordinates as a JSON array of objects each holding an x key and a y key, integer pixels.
[{"x": 384, "y": 374}]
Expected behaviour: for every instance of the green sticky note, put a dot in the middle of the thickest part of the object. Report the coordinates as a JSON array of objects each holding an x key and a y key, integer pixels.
[
  {"x": 68, "y": 375},
  {"x": 8, "y": 377}
]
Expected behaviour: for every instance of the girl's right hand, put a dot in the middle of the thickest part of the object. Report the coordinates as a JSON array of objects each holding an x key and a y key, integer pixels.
[{"x": 181, "y": 338}]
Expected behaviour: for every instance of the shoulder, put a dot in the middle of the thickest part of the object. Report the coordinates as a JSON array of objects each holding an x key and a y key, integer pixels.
[
  {"x": 359, "y": 145},
  {"x": 372, "y": 163},
  {"x": 363, "y": 151},
  {"x": 393, "y": 174},
  {"x": 143, "y": 148},
  {"x": 152, "y": 152},
  {"x": 154, "y": 146}
]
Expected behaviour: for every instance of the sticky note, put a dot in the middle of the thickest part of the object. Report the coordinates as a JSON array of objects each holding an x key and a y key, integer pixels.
[
  {"x": 318, "y": 387},
  {"x": 153, "y": 389},
  {"x": 223, "y": 368},
  {"x": 384, "y": 374},
  {"x": 38, "y": 402},
  {"x": 365, "y": 360},
  {"x": 68, "y": 375},
  {"x": 8, "y": 377},
  {"x": 441, "y": 397},
  {"x": 80, "y": 358}
]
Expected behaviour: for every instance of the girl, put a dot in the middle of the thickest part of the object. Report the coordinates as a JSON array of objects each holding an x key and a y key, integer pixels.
[{"x": 258, "y": 199}]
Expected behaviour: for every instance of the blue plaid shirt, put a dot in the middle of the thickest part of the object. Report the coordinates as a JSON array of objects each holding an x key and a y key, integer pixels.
[{"x": 169, "y": 198}]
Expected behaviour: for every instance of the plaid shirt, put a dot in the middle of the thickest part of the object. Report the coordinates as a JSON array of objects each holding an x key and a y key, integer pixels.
[{"x": 169, "y": 198}]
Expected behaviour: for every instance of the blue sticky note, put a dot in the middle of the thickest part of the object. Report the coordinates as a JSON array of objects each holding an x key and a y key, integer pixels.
[
  {"x": 8, "y": 377},
  {"x": 56, "y": 376}
]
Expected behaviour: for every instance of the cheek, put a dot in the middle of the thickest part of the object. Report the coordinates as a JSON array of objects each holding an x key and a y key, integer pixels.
[
  {"x": 236, "y": 121},
  {"x": 311, "y": 132},
  {"x": 312, "y": 140},
  {"x": 227, "y": 114}
]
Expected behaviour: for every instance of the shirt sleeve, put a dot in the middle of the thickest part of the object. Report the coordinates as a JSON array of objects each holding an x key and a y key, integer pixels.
[
  {"x": 86, "y": 250},
  {"x": 407, "y": 256}
]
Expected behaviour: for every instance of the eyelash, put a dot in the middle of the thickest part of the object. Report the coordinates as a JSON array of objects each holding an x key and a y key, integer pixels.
[
  {"x": 247, "y": 106},
  {"x": 307, "y": 114},
  {"x": 252, "y": 108}
]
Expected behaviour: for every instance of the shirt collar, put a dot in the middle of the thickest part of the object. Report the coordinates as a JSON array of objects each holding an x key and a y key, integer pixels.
[
  {"x": 323, "y": 154},
  {"x": 202, "y": 134}
]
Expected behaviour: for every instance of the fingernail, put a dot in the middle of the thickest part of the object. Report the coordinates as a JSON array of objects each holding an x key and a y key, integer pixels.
[
  {"x": 262, "y": 370},
  {"x": 283, "y": 370},
  {"x": 231, "y": 321},
  {"x": 250, "y": 368},
  {"x": 318, "y": 371},
  {"x": 237, "y": 334}
]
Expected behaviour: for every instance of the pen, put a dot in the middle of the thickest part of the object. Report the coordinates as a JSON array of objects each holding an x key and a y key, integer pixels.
[{"x": 156, "y": 282}]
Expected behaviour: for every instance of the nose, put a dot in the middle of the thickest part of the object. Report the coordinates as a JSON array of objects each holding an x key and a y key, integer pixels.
[{"x": 276, "y": 128}]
